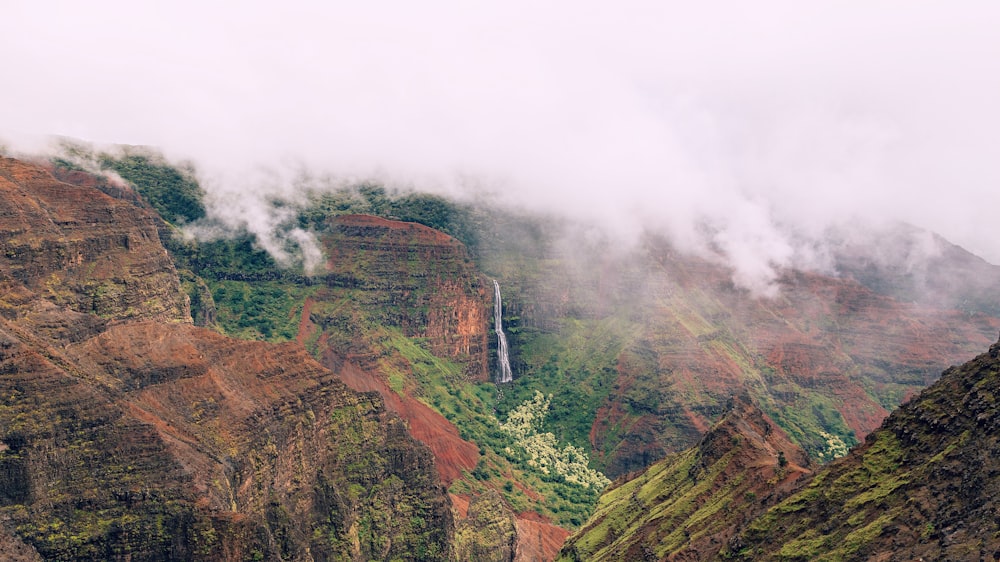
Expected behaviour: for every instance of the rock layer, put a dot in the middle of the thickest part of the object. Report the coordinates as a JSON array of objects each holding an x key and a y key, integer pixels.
[{"x": 126, "y": 433}]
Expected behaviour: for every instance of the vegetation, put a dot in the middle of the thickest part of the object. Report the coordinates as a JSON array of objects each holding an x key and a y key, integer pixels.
[
  {"x": 172, "y": 191},
  {"x": 542, "y": 450}
]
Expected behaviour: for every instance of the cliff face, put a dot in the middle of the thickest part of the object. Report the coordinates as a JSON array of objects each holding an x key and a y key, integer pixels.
[
  {"x": 126, "y": 433},
  {"x": 686, "y": 506},
  {"x": 412, "y": 277},
  {"x": 404, "y": 312},
  {"x": 83, "y": 250},
  {"x": 388, "y": 280}
]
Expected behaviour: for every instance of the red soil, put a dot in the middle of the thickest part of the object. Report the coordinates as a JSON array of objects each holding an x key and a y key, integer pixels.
[
  {"x": 452, "y": 453},
  {"x": 537, "y": 540}
]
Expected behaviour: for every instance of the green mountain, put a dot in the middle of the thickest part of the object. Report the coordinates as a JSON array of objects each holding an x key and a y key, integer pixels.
[{"x": 921, "y": 487}]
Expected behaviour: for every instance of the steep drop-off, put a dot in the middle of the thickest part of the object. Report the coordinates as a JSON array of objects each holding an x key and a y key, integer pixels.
[
  {"x": 404, "y": 312},
  {"x": 83, "y": 250},
  {"x": 408, "y": 276},
  {"x": 126, "y": 433}
]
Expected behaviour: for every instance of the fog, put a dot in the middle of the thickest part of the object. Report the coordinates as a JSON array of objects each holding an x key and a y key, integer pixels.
[{"x": 740, "y": 130}]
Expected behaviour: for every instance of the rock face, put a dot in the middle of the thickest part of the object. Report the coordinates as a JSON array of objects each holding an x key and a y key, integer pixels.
[
  {"x": 409, "y": 276},
  {"x": 923, "y": 486},
  {"x": 385, "y": 275},
  {"x": 489, "y": 532},
  {"x": 83, "y": 250},
  {"x": 127, "y": 433},
  {"x": 389, "y": 284},
  {"x": 686, "y": 506}
]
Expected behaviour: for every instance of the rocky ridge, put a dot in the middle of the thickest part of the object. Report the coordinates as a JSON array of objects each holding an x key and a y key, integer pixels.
[
  {"x": 127, "y": 433},
  {"x": 922, "y": 486},
  {"x": 686, "y": 506}
]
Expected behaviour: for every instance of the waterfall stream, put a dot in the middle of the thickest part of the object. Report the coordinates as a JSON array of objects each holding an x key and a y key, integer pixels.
[{"x": 505, "y": 374}]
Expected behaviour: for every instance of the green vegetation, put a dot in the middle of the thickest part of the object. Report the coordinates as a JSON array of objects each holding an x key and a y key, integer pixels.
[
  {"x": 569, "y": 493},
  {"x": 172, "y": 191},
  {"x": 266, "y": 310},
  {"x": 813, "y": 421},
  {"x": 576, "y": 367}
]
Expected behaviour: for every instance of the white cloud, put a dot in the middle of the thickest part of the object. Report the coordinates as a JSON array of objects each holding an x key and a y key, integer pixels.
[{"x": 755, "y": 118}]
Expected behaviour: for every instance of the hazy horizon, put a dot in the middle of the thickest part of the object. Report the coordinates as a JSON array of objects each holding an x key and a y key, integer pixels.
[{"x": 749, "y": 128}]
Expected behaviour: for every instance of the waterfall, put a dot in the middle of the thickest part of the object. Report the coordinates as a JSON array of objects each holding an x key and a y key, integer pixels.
[{"x": 505, "y": 374}]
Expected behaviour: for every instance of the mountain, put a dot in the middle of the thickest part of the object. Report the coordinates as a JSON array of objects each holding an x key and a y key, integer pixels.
[
  {"x": 923, "y": 486},
  {"x": 689, "y": 504},
  {"x": 915, "y": 265},
  {"x": 642, "y": 347},
  {"x": 127, "y": 433},
  {"x": 347, "y": 408}
]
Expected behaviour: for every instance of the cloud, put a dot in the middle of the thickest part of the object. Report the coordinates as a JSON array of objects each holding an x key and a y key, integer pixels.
[{"x": 766, "y": 122}]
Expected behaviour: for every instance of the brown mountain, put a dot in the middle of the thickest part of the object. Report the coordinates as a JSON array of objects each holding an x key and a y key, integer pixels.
[
  {"x": 126, "y": 433},
  {"x": 923, "y": 486},
  {"x": 388, "y": 283}
]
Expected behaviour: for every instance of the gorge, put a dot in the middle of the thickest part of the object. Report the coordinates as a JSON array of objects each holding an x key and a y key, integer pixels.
[{"x": 169, "y": 398}]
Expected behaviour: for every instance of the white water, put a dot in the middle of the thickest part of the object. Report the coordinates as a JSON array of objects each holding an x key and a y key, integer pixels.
[{"x": 505, "y": 375}]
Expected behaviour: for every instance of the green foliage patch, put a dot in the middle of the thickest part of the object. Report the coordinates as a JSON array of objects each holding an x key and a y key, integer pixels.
[{"x": 171, "y": 190}]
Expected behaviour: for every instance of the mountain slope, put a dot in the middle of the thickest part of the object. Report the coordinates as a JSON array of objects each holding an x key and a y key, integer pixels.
[
  {"x": 642, "y": 348},
  {"x": 686, "y": 506},
  {"x": 923, "y": 486},
  {"x": 127, "y": 433}
]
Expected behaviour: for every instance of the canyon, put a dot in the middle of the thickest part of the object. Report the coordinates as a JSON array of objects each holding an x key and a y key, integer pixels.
[{"x": 169, "y": 398}]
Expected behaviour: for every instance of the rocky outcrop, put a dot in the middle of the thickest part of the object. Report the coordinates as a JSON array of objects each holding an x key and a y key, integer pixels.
[
  {"x": 686, "y": 506},
  {"x": 489, "y": 532}
]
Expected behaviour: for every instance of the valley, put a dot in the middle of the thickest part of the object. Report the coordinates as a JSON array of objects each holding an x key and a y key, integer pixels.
[{"x": 169, "y": 397}]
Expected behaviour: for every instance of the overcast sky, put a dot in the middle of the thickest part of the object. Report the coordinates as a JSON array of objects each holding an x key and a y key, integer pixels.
[{"x": 754, "y": 118}]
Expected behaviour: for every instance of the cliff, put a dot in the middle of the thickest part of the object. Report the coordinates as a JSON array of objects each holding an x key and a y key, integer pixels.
[
  {"x": 403, "y": 311},
  {"x": 126, "y": 433},
  {"x": 83, "y": 250},
  {"x": 412, "y": 277}
]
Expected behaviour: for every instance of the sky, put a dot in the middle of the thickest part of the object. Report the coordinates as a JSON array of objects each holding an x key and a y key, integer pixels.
[{"x": 744, "y": 126}]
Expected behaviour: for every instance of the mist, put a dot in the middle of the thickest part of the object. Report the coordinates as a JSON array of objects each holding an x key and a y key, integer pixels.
[{"x": 742, "y": 132}]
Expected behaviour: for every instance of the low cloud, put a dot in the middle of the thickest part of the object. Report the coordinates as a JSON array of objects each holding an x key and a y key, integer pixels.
[{"x": 742, "y": 132}]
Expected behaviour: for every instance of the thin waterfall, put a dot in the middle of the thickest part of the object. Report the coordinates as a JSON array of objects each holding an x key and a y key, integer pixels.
[{"x": 505, "y": 375}]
